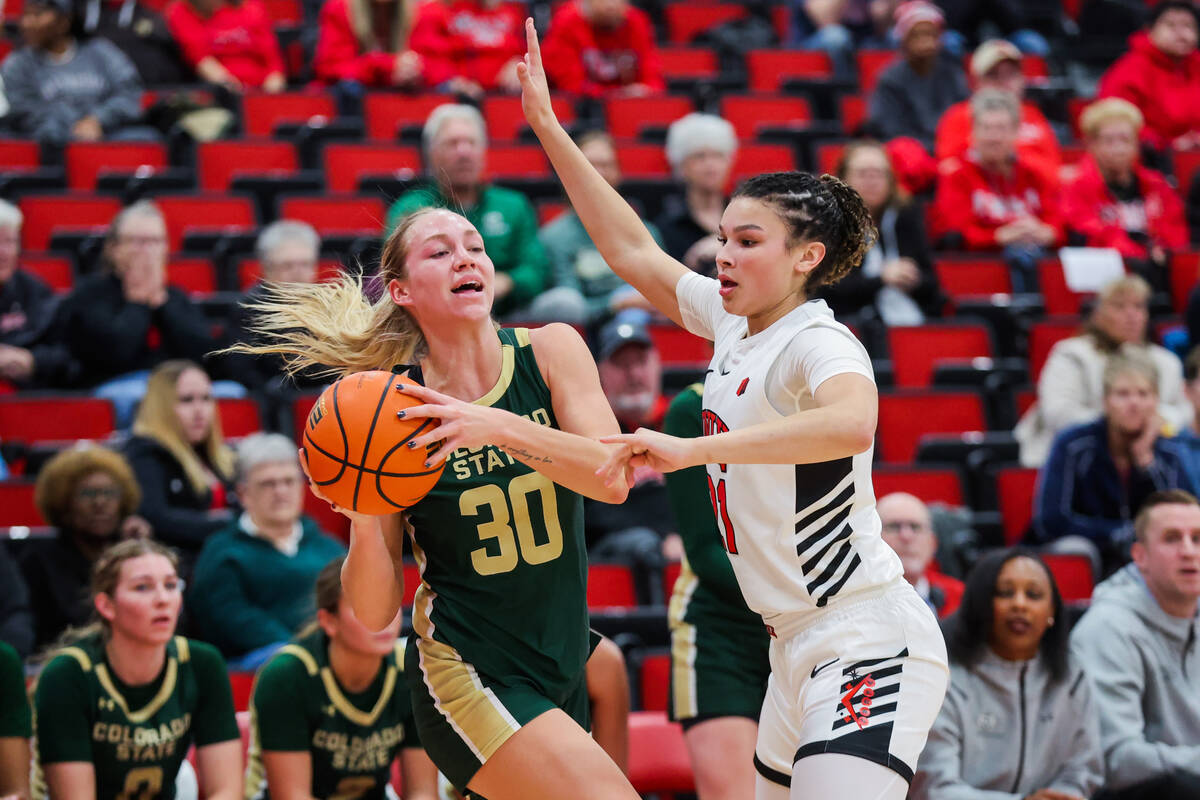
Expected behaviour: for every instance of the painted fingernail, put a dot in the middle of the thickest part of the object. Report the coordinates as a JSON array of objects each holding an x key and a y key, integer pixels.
[
  {"x": 400, "y": 414},
  {"x": 411, "y": 445},
  {"x": 426, "y": 465}
]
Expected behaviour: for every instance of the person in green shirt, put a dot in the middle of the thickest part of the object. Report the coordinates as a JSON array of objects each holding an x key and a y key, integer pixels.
[
  {"x": 16, "y": 726},
  {"x": 118, "y": 706},
  {"x": 252, "y": 584},
  {"x": 455, "y": 145},
  {"x": 331, "y": 711}
]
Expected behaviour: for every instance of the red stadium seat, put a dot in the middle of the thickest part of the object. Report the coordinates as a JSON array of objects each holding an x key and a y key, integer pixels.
[
  {"x": 972, "y": 277},
  {"x": 249, "y": 271},
  {"x": 336, "y": 215},
  {"x": 239, "y": 416},
  {"x": 327, "y": 519},
  {"x": 870, "y": 64},
  {"x": 1187, "y": 166},
  {"x": 654, "y": 681},
  {"x": 242, "y": 686},
  {"x": 854, "y": 111},
  {"x": 386, "y": 113},
  {"x": 1059, "y": 298},
  {"x": 517, "y": 161},
  {"x": 187, "y": 213},
  {"x": 670, "y": 575},
  {"x": 505, "y": 118},
  {"x": 828, "y": 156},
  {"x": 87, "y": 161},
  {"x": 412, "y": 579},
  {"x": 1025, "y": 399},
  {"x": 749, "y": 114},
  {"x": 193, "y": 275},
  {"x": 347, "y": 164},
  {"x": 678, "y": 347},
  {"x": 1185, "y": 270},
  {"x": 1042, "y": 338},
  {"x": 20, "y": 154},
  {"x": 610, "y": 586},
  {"x": 627, "y": 116},
  {"x": 17, "y": 506},
  {"x": 690, "y": 63},
  {"x": 46, "y": 418},
  {"x": 643, "y": 161},
  {"x": 1015, "y": 490},
  {"x": 262, "y": 113},
  {"x": 45, "y": 214},
  {"x": 1073, "y": 574},
  {"x": 56, "y": 271},
  {"x": 548, "y": 211},
  {"x": 658, "y": 758},
  {"x": 219, "y": 162},
  {"x": 686, "y": 20},
  {"x": 285, "y": 12},
  {"x": 907, "y": 415},
  {"x": 931, "y": 485},
  {"x": 916, "y": 350},
  {"x": 300, "y": 408},
  {"x": 768, "y": 69},
  {"x": 753, "y": 159}
]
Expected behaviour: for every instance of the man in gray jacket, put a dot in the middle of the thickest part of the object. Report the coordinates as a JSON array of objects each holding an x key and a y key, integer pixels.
[{"x": 1137, "y": 643}]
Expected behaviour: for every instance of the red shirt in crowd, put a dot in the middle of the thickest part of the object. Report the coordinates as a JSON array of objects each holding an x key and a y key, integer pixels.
[
  {"x": 239, "y": 36},
  {"x": 975, "y": 202},
  {"x": 1165, "y": 89},
  {"x": 1036, "y": 143},
  {"x": 1090, "y": 208},
  {"x": 581, "y": 58},
  {"x": 341, "y": 56},
  {"x": 468, "y": 39}
]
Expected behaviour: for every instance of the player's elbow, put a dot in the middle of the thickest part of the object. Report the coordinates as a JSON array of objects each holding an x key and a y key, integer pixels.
[
  {"x": 612, "y": 494},
  {"x": 860, "y": 436}
]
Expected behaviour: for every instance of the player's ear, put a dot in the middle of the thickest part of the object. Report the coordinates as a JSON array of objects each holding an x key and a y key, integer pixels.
[
  {"x": 105, "y": 606},
  {"x": 328, "y": 622},
  {"x": 399, "y": 293},
  {"x": 807, "y": 256}
]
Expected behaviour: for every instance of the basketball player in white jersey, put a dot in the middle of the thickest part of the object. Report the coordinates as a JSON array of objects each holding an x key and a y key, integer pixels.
[{"x": 858, "y": 664}]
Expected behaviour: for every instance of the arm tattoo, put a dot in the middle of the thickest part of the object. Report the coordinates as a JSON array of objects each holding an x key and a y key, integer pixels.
[{"x": 525, "y": 455}]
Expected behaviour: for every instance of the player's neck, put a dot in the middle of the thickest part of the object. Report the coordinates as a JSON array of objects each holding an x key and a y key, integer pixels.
[
  {"x": 761, "y": 320},
  {"x": 135, "y": 663},
  {"x": 463, "y": 362},
  {"x": 354, "y": 671}
]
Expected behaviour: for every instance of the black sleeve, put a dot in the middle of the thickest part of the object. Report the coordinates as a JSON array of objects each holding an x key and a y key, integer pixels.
[
  {"x": 109, "y": 337},
  {"x": 1192, "y": 315},
  {"x": 184, "y": 329},
  {"x": 888, "y": 111},
  {"x": 852, "y": 293},
  {"x": 16, "y": 617},
  {"x": 1193, "y": 210},
  {"x": 914, "y": 243},
  {"x": 176, "y": 525}
]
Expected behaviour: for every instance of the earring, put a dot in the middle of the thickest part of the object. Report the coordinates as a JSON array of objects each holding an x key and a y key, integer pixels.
[{"x": 1050, "y": 621}]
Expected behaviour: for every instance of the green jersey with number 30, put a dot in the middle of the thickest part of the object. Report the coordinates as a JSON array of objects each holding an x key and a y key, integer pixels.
[{"x": 501, "y": 551}]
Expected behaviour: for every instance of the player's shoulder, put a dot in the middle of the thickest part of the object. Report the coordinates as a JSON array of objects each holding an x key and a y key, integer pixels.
[{"x": 201, "y": 654}]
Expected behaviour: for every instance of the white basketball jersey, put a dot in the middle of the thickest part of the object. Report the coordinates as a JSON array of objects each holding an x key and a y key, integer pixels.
[{"x": 798, "y": 535}]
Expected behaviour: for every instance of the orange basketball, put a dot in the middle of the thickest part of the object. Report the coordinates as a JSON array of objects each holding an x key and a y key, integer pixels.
[{"x": 356, "y": 446}]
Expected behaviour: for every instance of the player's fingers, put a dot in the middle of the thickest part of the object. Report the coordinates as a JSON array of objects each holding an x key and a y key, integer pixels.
[
  {"x": 427, "y": 410},
  {"x": 446, "y": 431},
  {"x": 532, "y": 45},
  {"x": 423, "y": 393}
]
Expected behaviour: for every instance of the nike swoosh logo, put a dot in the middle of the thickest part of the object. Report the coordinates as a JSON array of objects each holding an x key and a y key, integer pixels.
[
  {"x": 823, "y": 666},
  {"x": 724, "y": 372}
]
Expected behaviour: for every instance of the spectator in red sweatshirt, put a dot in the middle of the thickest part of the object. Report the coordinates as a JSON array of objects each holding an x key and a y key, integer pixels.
[
  {"x": 996, "y": 64},
  {"x": 471, "y": 45},
  {"x": 365, "y": 44},
  {"x": 1115, "y": 201},
  {"x": 993, "y": 199},
  {"x": 1161, "y": 76},
  {"x": 228, "y": 43},
  {"x": 599, "y": 46}
]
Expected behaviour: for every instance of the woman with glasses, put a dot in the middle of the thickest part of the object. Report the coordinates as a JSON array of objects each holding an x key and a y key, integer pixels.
[{"x": 120, "y": 703}]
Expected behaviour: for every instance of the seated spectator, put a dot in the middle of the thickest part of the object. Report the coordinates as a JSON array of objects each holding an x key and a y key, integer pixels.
[
  {"x": 575, "y": 262},
  {"x": 896, "y": 282},
  {"x": 1019, "y": 719},
  {"x": 252, "y": 586},
  {"x": 840, "y": 27},
  {"x": 1190, "y": 431},
  {"x": 16, "y": 616},
  {"x": 598, "y": 47},
  {"x": 992, "y": 199},
  {"x": 908, "y": 529},
  {"x": 455, "y": 144},
  {"x": 183, "y": 466},
  {"x": 996, "y": 64},
  {"x": 365, "y": 44},
  {"x": 89, "y": 495},
  {"x": 141, "y": 33},
  {"x": 229, "y": 42},
  {"x": 701, "y": 149},
  {"x": 1161, "y": 76},
  {"x": 1099, "y": 473},
  {"x": 1138, "y": 640},
  {"x": 60, "y": 89},
  {"x": 1116, "y": 202},
  {"x": 471, "y": 46},
  {"x": 913, "y": 93},
  {"x": 641, "y": 531},
  {"x": 120, "y": 323},
  {"x": 965, "y": 19},
  {"x": 29, "y": 351},
  {"x": 1070, "y": 389},
  {"x": 16, "y": 726}
]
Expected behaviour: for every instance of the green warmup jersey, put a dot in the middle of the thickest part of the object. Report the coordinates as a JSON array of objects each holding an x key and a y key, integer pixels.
[
  {"x": 353, "y": 737},
  {"x": 134, "y": 736},
  {"x": 501, "y": 552},
  {"x": 15, "y": 719}
]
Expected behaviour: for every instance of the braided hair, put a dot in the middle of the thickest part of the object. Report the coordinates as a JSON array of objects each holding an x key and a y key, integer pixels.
[{"x": 821, "y": 209}]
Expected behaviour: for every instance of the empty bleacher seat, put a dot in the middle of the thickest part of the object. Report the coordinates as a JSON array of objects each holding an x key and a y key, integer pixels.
[
  {"x": 688, "y": 65},
  {"x": 753, "y": 159},
  {"x": 387, "y": 114},
  {"x": 20, "y": 154},
  {"x": 86, "y": 161},
  {"x": 628, "y": 116},
  {"x": 52, "y": 417},
  {"x": 17, "y": 506},
  {"x": 209, "y": 213},
  {"x": 643, "y": 161},
  {"x": 56, "y": 271},
  {"x": 249, "y": 271},
  {"x": 1058, "y": 297},
  {"x": 686, "y": 20},
  {"x": 767, "y": 70},
  {"x": 262, "y": 113},
  {"x": 239, "y": 416},
  {"x": 1043, "y": 335},
  {"x": 506, "y": 119},
  {"x": 610, "y": 586},
  {"x": 1185, "y": 272},
  {"x": 917, "y": 349},
  {"x": 1015, "y": 491},
  {"x": 870, "y": 64},
  {"x": 196, "y": 276},
  {"x": 46, "y": 214},
  {"x": 658, "y": 758},
  {"x": 749, "y": 114},
  {"x": 907, "y": 415},
  {"x": 336, "y": 215},
  {"x": 972, "y": 277},
  {"x": 517, "y": 161},
  {"x": 931, "y": 484},
  {"x": 1073, "y": 574},
  {"x": 219, "y": 162},
  {"x": 653, "y": 679},
  {"x": 347, "y": 164},
  {"x": 679, "y": 347}
]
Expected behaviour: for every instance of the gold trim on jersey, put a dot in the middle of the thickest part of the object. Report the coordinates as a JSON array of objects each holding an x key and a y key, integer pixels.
[
  {"x": 349, "y": 711},
  {"x": 683, "y": 645},
  {"x": 255, "y": 776},
  {"x": 522, "y": 336},
  {"x": 150, "y": 709},
  {"x": 471, "y": 709},
  {"x": 506, "y": 372},
  {"x": 182, "y": 649},
  {"x": 79, "y": 655},
  {"x": 305, "y": 657}
]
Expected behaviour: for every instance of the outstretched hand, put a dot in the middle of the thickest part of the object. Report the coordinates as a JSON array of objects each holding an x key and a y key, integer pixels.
[
  {"x": 644, "y": 448},
  {"x": 535, "y": 89}
]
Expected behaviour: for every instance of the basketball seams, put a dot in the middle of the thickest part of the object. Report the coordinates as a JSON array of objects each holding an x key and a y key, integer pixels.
[
  {"x": 383, "y": 395},
  {"x": 379, "y": 474}
]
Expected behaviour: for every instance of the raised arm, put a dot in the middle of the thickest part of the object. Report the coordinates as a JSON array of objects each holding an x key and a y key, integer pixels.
[{"x": 616, "y": 230}]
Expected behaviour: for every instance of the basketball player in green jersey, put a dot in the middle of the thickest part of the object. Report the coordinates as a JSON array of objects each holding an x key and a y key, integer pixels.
[
  {"x": 116, "y": 710},
  {"x": 719, "y": 647},
  {"x": 15, "y": 726},
  {"x": 497, "y": 662},
  {"x": 331, "y": 711}
]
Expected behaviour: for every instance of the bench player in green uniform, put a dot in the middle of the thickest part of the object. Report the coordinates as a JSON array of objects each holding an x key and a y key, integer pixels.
[
  {"x": 501, "y": 640},
  {"x": 719, "y": 647},
  {"x": 331, "y": 711},
  {"x": 116, "y": 710},
  {"x": 15, "y": 726}
]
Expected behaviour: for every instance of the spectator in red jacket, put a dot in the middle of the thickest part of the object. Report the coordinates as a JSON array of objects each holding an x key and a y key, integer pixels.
[
  {"x": 228, "y": 43},
  {"x": 471, "y": 45},
  {"x": 366, "y": 44},
  {"x": 1115, "y": 201},
  {"x": 993, "y": 199},
  {"x": 599, "y": 46},
  {"x": 996, "y": 64},
  {"x": 1161, "y": 76},
  {"x": 908, "y": 529}
]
